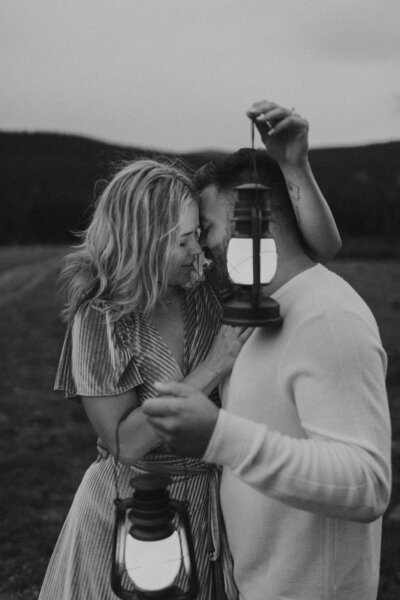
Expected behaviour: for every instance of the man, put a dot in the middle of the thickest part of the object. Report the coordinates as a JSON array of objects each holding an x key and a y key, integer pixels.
[{"x": 304, "y": 432}]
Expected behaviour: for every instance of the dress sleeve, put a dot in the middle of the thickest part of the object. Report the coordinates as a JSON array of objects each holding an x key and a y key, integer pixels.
[{"x": 98, "y": 356}]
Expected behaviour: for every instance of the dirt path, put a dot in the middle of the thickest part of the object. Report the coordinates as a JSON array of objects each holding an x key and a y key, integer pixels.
[{"x": 17, "y": 282}]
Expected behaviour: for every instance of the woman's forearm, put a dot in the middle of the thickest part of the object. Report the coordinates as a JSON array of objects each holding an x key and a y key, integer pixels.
[
  {"x": 121, "y": 425},
  {"x": 204, "y": 378},
  {"x": 136, "y": 437},
  {"x": 124, "y": 416},
  {"x": 220, "y": 359}
]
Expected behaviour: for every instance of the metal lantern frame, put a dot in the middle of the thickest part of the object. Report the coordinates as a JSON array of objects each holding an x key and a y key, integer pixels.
[
  {"x": 246, "y": 306},
  {"x": 150, "y": 513}
]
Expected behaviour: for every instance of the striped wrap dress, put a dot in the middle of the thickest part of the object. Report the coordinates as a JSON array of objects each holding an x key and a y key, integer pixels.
[{"x": 101, "y": 358}]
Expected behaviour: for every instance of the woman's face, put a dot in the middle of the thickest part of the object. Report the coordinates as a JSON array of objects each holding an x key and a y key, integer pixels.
[{"x": 187, "y": 247}]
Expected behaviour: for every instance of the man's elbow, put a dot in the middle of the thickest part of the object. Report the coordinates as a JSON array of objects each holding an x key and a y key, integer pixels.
[
  {"x": 329, "y": 252},
  {"x": 382, "y": 502},
  {"x": 332, "y": 251},
  {"x": 377, "y": 505}
]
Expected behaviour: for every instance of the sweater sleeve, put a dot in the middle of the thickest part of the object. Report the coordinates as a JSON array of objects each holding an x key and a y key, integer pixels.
[{"x": 334, "y": 372}]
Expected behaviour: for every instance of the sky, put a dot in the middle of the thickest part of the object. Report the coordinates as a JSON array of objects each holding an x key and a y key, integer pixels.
[{"x": 179, "y": 75}]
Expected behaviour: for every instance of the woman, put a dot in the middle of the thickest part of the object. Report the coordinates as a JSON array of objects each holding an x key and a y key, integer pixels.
[{"x": 132, "y": 320}]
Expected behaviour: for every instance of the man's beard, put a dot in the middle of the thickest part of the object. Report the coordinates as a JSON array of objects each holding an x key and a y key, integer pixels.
[{"x": 217, "y": 274}]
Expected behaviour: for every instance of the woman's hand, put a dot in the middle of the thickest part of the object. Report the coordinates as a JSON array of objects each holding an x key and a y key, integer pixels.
[
  {"x": 220, "y": 359},
  {"x": 283, "y": 132},
  {"x": 226, "y": 347}
]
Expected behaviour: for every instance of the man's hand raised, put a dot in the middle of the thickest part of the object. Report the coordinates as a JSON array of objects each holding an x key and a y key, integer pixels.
[
  {"x": 283, "y": 131},
  {"x": 182, "y": 417}
]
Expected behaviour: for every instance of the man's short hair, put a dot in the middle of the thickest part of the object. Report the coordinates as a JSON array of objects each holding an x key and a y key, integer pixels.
[{"x": 227, "y": 172}]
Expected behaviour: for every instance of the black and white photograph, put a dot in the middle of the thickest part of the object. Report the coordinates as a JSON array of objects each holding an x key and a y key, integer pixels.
[{"x": 200, "y": 300}]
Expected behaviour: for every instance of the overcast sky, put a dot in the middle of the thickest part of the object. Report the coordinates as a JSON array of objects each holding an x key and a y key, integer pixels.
[{"x": 180, "y": 74}]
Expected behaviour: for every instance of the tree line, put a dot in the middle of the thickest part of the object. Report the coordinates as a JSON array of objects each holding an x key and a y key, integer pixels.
[{"x": 48, "y": 184}]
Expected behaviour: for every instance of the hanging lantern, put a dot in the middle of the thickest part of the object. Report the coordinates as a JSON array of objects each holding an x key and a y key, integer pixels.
[
  {"x": 251, "y": 260},
  {"x": 153, "y": 554}
]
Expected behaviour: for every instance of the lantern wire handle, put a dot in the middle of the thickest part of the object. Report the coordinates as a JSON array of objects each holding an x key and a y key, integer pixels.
[
  {"x": 116, "y": 460},
  {"x": 253, "y": 154},
  {"x": 255, "y": 214}
]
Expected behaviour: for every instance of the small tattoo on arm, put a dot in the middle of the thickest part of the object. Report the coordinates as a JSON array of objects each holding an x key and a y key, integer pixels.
[
  {"x": 294, "y": 190},
  {"x": 294, "y": 193},
  {"x": 297, "y": 213}
]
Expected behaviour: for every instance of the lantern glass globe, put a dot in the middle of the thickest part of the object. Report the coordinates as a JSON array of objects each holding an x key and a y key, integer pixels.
[
  {"x": 154, "y": 565},
  {"x": 240, "y": 260}
]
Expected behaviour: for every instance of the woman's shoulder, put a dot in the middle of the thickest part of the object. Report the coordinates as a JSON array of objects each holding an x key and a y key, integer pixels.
[
  {"x": 90, "y": 312},
  {"x": 96, "y": 318},
  {"x": 98, "y": 351}
]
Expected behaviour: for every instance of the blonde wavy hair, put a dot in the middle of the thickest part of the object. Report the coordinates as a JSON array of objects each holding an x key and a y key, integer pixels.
[{"x": 125, "y": 252}]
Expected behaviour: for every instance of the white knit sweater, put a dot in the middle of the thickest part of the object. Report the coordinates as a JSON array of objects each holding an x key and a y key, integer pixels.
[{"x": 305, "y": 439}]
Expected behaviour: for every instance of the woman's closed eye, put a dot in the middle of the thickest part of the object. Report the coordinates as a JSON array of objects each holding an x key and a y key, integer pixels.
[{"x": 196, "y": 233}]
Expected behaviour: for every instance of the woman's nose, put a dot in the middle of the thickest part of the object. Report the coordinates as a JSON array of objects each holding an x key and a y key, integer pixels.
[{"x": 195, "y": 247}]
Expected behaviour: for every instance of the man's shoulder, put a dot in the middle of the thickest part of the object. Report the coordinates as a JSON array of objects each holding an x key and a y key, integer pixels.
[
  {"x": 316, "y": 281},
  {"x": 328, "y": 285},
  {"x": 335, "y": 305},
  {"x": 321, "y": 292},
  {"x": 334, "y": 289}
]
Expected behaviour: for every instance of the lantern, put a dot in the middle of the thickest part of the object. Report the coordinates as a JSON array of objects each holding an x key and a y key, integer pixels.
[
  {"x": 153, "y": 554},
  {"x": 251, "y": 261}
]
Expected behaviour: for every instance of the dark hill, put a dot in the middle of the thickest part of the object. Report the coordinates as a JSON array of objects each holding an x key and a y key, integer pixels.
[
  {"x": 47, "y": 184},
  {"x": 362, "y": 184}
]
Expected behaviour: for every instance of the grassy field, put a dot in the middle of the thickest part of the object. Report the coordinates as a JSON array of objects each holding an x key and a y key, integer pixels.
[{"x": 46, "y": 443}]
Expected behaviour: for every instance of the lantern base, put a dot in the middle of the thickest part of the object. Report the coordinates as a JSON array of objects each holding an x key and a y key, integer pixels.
[{"x": 238, "y": 312}]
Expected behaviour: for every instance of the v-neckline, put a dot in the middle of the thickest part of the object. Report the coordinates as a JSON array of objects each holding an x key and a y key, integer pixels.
[{"x": 182, "y": 370}]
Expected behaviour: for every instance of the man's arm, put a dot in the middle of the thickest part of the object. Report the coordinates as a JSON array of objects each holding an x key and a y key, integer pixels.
[
  {"x": 285, "y": 136},
  {"x": 342, "y": 469}
]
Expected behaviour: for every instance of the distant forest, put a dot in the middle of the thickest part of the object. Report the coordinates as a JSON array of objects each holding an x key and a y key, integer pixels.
[{"x": 48, "y": 186}]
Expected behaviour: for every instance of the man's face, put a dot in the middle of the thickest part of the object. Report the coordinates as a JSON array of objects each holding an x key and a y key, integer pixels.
[{"x": 216, "y": 218}]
